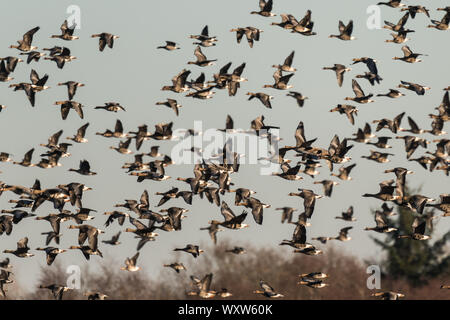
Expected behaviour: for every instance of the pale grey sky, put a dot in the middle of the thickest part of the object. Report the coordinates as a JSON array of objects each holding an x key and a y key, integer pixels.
[{"x": 133, "y": 73}]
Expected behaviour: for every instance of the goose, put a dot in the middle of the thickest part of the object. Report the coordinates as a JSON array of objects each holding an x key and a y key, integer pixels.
[
  {"x": 71, "y": 87},
  {"x": 340, "y": 69},
  {"x": 11, "y": 63},
  {"x": 231, "y": 220},
  {"x": 170, "y": 46},
  {"x": 381, "y": 143},
  {"x": 84, "y": 169},
  {"x": 418, "y": 231},
  {"x": 141, "y": 229},
  {"x": 327, "y": 186},
  {"x": 267, "y": 290},
  {"x": 257, "y": 208},
  {"x": 392, "y": 94},
  {"x": 171, "y": 103},
  {"x": 343, "y": 234},
  {"x": 87, "y": 251},
  {"x": 66, "y": 32},
  {"x": 285, "y": 22},
  {"x": 399, "y": 37},
  {"x": 79, "y": 137},
  {"x": 204, "y": 36},
  {"x": 105, "y": 39},
  {"x": 18, "y": 214},
  {"x": 4, "y": 73},
  {"x": 369, "y": 62},
  {"x": 130, "y": 264},
  {"x": 304, "y": 26},
  {"x": 281, "y": 82},
  {"x": 298, "y": 240},
  {"x": 312, "y": 283},
  {"x": 55, "y": 50},
  {"x": 203, "y": 287},
  {"x": 379, "y": 157},
  {"x": 22, "y": 249},
  {"x": 414, "y": 127},
  {"x": 62, "y": 58},
  {"x": 309, "y": 251},
  {"x": 344, "y": 172},
  {"x": 388, "y": 295},
  {"x": 178, "y": 82},
  {"x": 444, "y": 24},
  {"x": 118, "y": 131},
  {"x": 25, "y": 43},
  {"x": 95, "y": 295},
  {"x": 114, "y": 241},
  {"x": 123, "y": 147},
  {"x": 348, "y": 110},
  {"x": 51, "y": 253},
  {"x": 33, "y": 56},
  {"x": 289, "y": 173},
  {"x": 409, "y": 56},
  {"x": 202, "y": 61},
  {"x": 347, "y": 215},
  {"x": 309, "y": 200},
  {"x": 436, "y": 127},
  {"x": 416, "y": 202},
  {"x": 286, "y": 214},
  {"x": 413, "y": 10},
  {"x": 202, "y": 94},
  {"x": 237, "y": 250},
  {"x": 400, "y": 24},
  {"x": 386, "y": 192},
  {"x": 87, "y": 232},
  {"x": 175, "y": 214},
  {"x": 298, "y": 97},
  {"x": 360, "y": 97},
  {"x": 443, "y": 206},
  {"x": 392, "y": 3},
  {"x": 363, "y": 135},
  {"x": 393, "y": 125},
  {"x": 67, "y": 105},
  {"x": 57, "y": 290},
  {"x": 264, "y": 98},
  {"x": 111, "y": 106},
  {"x": 26, "y": 162},
  {"x": 251, "y": 33},
  {"x": 412, "y": 143},
  {"x": 192, "y": 249},
  {"x": 314, "y": 275},
  {"x": 287, "y": 65},
  {"x": 4, "y": 157},
  {"x": 345, "y": 31},
  {"x": 6, "y": 224},
  {"x": 265, "y": 9},
  {"x": 4, "y": 264},
  {"x": 382, "y": 225},
  {"x": 175, "y": 266},
  {"x": 371, "y": 77}
]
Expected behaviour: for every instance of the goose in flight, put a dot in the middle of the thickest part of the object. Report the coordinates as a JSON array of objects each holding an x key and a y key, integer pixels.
[
  {"x": 286, "y": 214},
  {"x": 175, "y": 266},
  {"x": 263, "y": 97},
  {"x": 170, "y": 46},
  {"x": 66, "y": 32},
  {"x": 347, "y": 215},
  {"x": 388, "y": 295},
  {"x": 399, "y": 26},
  {"x": 386, "y": 192},
  {"x": 84, "y": 169},
  {"x": 392, "y": 3},
  {"x": 287, "y": 65},
  {"x": 61, "y": 58},
  {"x": 381, "y": 224},
  {"x": 309, "y": 200},
  {"x": 409, "y": 56},
  {"x": 340, "y": 69},
  {"x": 170, "y": 103},
  {"x": 203, "y": 287},
  {"x": 413, "y": 10},
  {"x": 202, "y": 61},
  {"x": 360, "y": 97},
  {"x": 111, "y": 106},
  {"x": 327, "y": 186},
  {"x": 393, "y": 94},
  {"x": 67, "y": 105},
  {"x": 25, "y": 43},
  {"x": 298, "y": 97},
  {"x": 51, "y": 253},
  {"x": 22, "y": 249},
  {"x": 400, "y": 36},
  {"x": 418, "y": 232},
  {"x": 442, "y": 25},
  {"x": 105, "y": 39},
  {"x": 57, "y": 291},
  {"x": 298, "y": 240},
  {"x": 281, "y": 82},
  {"x": 130, "y": 264},
  {"x": 344, "y": 172},
  {"x": 71, "y": 87},
  {"x": 79, "y": 137},
  {"x": 267, "y": 290},
  {"x": 265, "y": 9},
  {"x": 348, "y": 110},
  {"x": 345, "y": 31}
]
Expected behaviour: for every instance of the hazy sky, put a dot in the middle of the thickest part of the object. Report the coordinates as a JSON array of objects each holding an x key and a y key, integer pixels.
[{"x": 133, "y": 73}]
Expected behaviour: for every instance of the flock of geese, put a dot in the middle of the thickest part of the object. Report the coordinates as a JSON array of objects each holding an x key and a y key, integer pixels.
[{"x": 210, "y": 179}]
